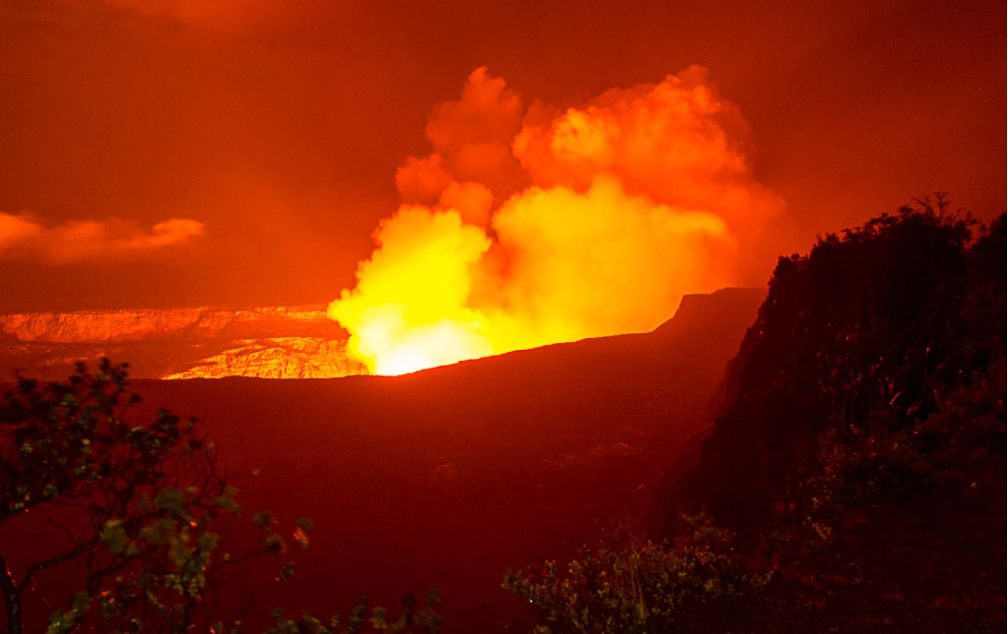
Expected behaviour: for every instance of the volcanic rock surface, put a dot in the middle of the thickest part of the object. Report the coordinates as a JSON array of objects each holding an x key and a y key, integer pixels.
[{"x": 271, "y": 342}]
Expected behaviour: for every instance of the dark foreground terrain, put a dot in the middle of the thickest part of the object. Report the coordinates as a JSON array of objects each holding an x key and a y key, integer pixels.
[{"x": 449, "y": 477}]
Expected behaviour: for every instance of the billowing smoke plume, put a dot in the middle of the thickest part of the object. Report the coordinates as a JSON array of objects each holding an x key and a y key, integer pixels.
[
  {"x": 532, "y": 226},
  {"x": 25, "y": 237}
]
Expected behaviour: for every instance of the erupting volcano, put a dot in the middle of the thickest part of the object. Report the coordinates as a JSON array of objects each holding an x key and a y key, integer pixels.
[
  {"x": 453, "y": 317},
  {"x": 528, "y": 226}
]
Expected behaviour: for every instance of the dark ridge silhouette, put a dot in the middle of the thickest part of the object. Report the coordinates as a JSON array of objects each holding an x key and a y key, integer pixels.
[
  {"x": 859, "y": 434},
  {"x": 887, "y": 301}
]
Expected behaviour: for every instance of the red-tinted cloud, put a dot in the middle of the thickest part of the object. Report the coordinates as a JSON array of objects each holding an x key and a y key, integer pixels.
[{"x": 111, "y": 240}]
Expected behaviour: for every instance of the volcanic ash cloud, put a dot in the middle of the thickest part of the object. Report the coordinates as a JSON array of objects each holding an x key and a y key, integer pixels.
[{"x": 531, "y": 226}]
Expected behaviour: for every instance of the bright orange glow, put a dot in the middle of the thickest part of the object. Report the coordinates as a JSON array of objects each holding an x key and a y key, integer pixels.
[
  {"x": 409, "y": 310},
  {"x": 555, "y": 226}
]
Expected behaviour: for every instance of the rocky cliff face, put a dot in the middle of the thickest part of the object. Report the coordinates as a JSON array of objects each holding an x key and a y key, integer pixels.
[
  {"x": 277, "y": 358},
  {"x": 185, "y": 323},
  {"x": 268, "y": 342}
]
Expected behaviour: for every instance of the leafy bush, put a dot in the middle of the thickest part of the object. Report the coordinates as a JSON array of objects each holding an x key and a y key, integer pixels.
[
  {"x": 139, "y": 517},
  {"x": 640, "y": 588},
  {"x": 378, "y": 621},
  {"x": 875, "y": 462},
  {"x": 142, "y": 507}
]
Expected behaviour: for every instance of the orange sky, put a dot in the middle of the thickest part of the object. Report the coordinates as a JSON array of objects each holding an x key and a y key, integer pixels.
[{"x": 159, "y": 153}]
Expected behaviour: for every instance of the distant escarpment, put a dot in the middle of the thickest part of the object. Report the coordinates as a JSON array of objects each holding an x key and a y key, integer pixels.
[
  {"x": 297, "y": 342},
  {"x": 273, "y": 342},
  {"x": 203, "y": 323},
  {"x": 857, "y": 441}
]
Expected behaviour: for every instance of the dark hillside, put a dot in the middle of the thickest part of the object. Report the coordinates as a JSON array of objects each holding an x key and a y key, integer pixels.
[
  {"x": 450, "y": 476},
  {"x": 861, "y": 437}
]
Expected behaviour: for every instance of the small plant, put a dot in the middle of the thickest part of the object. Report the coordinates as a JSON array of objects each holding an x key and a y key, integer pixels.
[
  {"x": 640, "y": 588},
  {"x": 360, "y": 621}
]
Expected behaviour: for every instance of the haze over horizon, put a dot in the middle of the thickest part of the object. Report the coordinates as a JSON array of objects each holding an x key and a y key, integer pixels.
[{"x": 169, "y": 154}]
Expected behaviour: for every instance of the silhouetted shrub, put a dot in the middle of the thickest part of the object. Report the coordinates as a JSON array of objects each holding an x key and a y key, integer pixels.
[
  {"x": 360, "y": 620},
  {"x": 863, "y": 339},
  {"x": 640, "y": 588},
  {"x": 138, "y": 518}
]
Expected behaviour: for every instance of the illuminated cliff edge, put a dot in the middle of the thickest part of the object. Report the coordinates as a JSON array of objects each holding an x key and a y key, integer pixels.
[
  {"x": 278, "y": 358},
  {"x": 268, "y": 342},
  {"x": 136, "y": 324}
]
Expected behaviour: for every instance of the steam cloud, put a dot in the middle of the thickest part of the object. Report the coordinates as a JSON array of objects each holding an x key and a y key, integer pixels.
[
  {"x": 530, "y": 226},
  {"x": 24, "y": 237}
]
